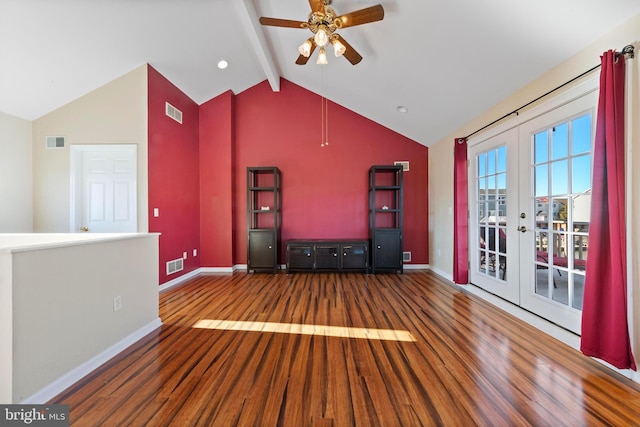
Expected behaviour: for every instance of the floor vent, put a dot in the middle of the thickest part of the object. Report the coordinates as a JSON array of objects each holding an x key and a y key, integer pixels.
[
  {"x": 174, "y": 266},
  {"x": 406, "y": 256},
  {"x": 54, "y": 141},
  {"x": 173, "y": 112}
]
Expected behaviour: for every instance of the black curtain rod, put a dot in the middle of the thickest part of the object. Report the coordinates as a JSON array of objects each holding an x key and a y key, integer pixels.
[{"x": 627, "y": 50}]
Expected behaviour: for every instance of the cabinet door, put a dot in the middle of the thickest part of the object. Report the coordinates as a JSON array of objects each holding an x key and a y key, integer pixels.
[
  {"x": 262, "y": 249},
  {"x": 299, "y": 257},
  {"x": 327, "y": 256},
  {"x": 355, "y": 256},
  {"x": 387, "y": 250}
]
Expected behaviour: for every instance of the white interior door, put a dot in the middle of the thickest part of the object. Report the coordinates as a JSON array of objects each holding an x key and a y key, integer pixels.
[
  {"x": 104, "y": 196},
  {"x": 530, "y": 199}
]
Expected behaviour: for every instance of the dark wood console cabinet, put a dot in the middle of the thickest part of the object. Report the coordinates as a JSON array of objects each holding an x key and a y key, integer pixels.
[{"x": 327, "y": 255}]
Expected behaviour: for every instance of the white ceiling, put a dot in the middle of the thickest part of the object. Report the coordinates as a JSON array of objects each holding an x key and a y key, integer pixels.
[{"x": 447, "y": 61}]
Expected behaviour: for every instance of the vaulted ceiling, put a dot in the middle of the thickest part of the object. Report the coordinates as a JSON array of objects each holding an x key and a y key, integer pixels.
[{"x": 445, "y": 61}]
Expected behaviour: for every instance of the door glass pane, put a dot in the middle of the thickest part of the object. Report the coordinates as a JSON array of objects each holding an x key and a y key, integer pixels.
[
  {"x": 559, "y": 176},
  {"x": 581, "y": 141},
  {"x": 541, "y": 182},
  {"x": 541, "y": 142},
  {"x": 560, "y": 142},
  {"x": 502, "y": 159},
  {"x": 491, "y": 181},
  {"x": 580, "y": 170},
  {"x": 562, "y": 221}
]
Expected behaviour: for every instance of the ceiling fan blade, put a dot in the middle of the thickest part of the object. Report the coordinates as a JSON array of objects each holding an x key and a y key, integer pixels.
[
  {"x": 362, "y": 16},
  {"x": 349, "y": 53},
  {"x": 304, "y": 59},
  {"x": 288, "y": 23},
  {"x": 317, "y": 6}
]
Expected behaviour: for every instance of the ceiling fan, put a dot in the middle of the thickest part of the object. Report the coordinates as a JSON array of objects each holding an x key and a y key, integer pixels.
[{"x": 323, "y": 22}]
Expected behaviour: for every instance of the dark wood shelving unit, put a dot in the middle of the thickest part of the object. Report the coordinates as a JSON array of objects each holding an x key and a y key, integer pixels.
[
  {"x": 386, "y": 207},
  {"x": 263, "y": 218}
]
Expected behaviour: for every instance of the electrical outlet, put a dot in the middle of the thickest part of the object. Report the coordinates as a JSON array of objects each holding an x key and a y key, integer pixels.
[{"x": 117, "y": 303}]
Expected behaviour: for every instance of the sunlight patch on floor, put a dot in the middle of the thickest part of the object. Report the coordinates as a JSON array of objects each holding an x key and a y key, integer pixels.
[{"x": 295, "y": 328}]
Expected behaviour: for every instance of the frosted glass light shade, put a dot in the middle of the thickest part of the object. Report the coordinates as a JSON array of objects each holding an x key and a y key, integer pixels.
[
  {"x": 321, "y": 38},
  {"x": 305, "y": 49},
  {"x": 322, "y": 57},
  {"x": 338, "y": 48}
]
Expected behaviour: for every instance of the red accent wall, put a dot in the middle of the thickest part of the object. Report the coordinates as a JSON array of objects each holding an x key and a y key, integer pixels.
[
  {"x": 174, "y": 186},
  {"x": 324, "y": 189},
  {"x": 216, "y": 179},
  {"x": 197, "y": 171}
]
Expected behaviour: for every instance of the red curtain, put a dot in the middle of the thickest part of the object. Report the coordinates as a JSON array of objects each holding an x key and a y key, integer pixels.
[
  {"x": 605, "y": 332},
  {"x": 460, "y": 216}
]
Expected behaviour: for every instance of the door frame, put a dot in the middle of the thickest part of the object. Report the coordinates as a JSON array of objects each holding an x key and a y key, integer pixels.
[{"x": 75, "y": 184}]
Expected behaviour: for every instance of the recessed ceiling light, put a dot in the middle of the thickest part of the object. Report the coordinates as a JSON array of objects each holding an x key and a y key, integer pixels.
[
  {"x": 402, "y": 109},
  {"x": 223, "y": 64}
]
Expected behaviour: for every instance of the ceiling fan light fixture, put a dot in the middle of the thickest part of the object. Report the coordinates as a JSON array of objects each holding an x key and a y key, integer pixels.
[
  {"x": 305, "y": 49},
  {"x": 338, "y": 48},
  {"x": 321, "y": 38},
  {"x": 322, "y": 57}
]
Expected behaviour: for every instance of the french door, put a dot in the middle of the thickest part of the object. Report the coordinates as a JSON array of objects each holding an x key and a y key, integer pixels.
[{"x": 530, "y": 199}]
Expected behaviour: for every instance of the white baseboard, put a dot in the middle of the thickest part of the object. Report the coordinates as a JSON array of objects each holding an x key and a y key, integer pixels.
[
  {"x": 442, "y": 273},
  {"x": 76, "y": 374},
  {"x": 416, "y": 267},
  {"x": 217, "y": 270},
  {"x": 180, "y": 279}
]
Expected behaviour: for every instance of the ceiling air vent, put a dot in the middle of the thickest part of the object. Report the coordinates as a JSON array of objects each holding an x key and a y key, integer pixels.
[
  {"x": 54, "y": 141},
  {"x": 173, "y": 112},
  {"x": 404, "y": 164}
]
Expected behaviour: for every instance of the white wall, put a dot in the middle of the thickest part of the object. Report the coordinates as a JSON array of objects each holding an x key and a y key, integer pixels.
[
  {"x": 115, "y": 113},
  {"x": 16, "y": 183},
  {"x": 6, "y": 329},
  {"x": 62, "y": 314}
]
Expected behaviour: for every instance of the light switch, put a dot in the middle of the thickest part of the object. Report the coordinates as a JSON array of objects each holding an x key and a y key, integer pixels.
[{"x": 156, "y": 212}]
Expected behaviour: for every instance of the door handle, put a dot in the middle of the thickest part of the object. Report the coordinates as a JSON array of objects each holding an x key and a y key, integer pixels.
[
  {"x": 522, "y": 229},
  {"x": 84, "y": 229}
]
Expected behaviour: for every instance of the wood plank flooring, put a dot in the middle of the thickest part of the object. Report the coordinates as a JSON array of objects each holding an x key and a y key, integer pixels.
[{"x": 470, "y": 363}]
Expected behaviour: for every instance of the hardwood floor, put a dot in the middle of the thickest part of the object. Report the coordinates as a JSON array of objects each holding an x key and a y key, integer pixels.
[{"x": 470, "y": 363}]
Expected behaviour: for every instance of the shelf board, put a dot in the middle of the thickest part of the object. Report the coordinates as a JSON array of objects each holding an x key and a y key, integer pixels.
[{"x": 262, "y": 188}]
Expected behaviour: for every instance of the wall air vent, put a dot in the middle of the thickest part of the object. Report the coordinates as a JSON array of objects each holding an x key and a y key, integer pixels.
[
  {"x": 54, "y": 141},
  {"x": 406, "y": 256},
  {"x": 174, "y": 266},
  {"x": 404, "y": 164},
  {"x": 173, "y": 112}
]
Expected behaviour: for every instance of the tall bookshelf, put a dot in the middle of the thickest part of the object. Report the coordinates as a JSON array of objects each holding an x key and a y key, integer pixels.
[
  {"x": 263, "y": 218},
  {"x": 386, "y": 218}
]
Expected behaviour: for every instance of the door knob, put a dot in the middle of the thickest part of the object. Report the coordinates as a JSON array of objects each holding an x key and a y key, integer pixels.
[
  {"x": 522, "y": 229},
  {"x": 84, "y": 229}
]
